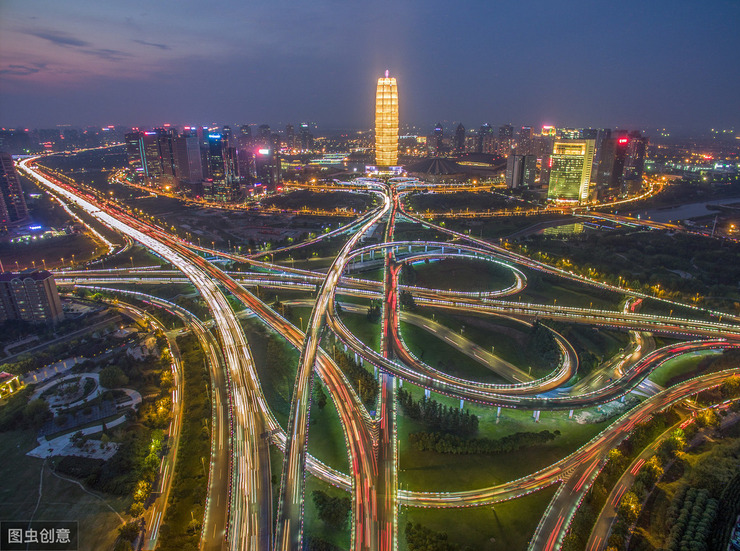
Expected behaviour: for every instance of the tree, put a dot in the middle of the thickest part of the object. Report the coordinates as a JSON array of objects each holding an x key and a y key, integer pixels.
[
  {"x": 36, "y": 412},
  {"x": 332, "y": 510},
  {"x": 320, "y": 397},
  {"x": 730, "y": 387},
  {"x": 113, "y": 377},
  {"x": 629, "y": 508}
]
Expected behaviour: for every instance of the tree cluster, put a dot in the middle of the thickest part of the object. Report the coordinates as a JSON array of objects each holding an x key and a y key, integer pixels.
[
  {"x": 332, "y": 510},
  {"x": 690, "y": 518},
  {"x": 362, "y": 380},
  {"x": 421, "y": 538},
  {"x": 451, "y": 443},
  {"x": 436, "y": 416}
]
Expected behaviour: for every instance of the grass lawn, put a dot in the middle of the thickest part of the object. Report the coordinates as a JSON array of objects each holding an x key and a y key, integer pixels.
[
  {"x": 313, "y": 526},
  {"x": 140, "y": 255},
  {"x": 60, "y": 499},
  {"x": 685, "y": 363},
  {"x": 440, "y": 355},
  {"x": 508, "y": 525},
  {"x": 52, "y": 251},
  {"x": 367, "y": 332},
  {"x": 429, "y": 471},
  {"x": 507, "y": 337},
  {"x": 462, "y": 275},
  {"x": 276, "y": 364},
  {"x": 326, "y": 438},
  {"x": 543, "y": 289}
]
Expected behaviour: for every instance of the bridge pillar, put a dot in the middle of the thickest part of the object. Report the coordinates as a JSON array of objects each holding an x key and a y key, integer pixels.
[
  {"x": 400, "y": 381},
  {"x": 462, "y": 403},
  {"x": 536, "y": 415},
  {"x": 570, "y": 414},
  {"x": 375, "y": 370},
  {"x": 621, "y": 399},
  {"x": 427, "y": 393},
  {"x": 356, "y": 358},
  {"x": 345, "y": 348},
  {"x": 362, "y": 256},
  {"x": 498, "y": 413},
  {"x": 426, "y": 248},
  {"x": 409, "y": 248}
]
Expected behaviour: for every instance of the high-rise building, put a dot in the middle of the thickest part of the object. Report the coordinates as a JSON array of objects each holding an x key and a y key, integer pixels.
[
  {"x": 486, "y": 142},
  {"x": 524, "y": 141},
  {"x": 570, "y": 172},
  {"x": 306, "y": 137},
  {"x": 438, "y": 139},
  {"x": 30, "y": 295},
  {"x": 610, "y": 170},
  {"x": 386, "y": 122},
  {"x": 460, "y": 139},
  {"x": 263, "y": 135},
  {"x": 290, "y": 136},
  {"x": 520, "y": 171},
  {"x": 188, "y": 161},
  {"x": 13, "y": 210}
]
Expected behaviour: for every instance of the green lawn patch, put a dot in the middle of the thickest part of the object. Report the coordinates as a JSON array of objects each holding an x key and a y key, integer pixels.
[
  {"x": 507, "y": 525},
  {"x": 681, "y": 365},
  {"x": 60, "y": 499}
]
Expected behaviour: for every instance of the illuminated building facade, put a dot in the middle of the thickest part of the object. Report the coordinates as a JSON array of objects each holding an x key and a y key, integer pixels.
[
  {"x": 570, "y": 171},
  {"x": 13, "y": 210},
  {"x": 386, "y": 122},
  {"x": 29, "y": 296}
]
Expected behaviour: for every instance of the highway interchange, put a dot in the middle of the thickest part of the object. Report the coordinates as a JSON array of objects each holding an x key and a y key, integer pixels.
[{"x": 240, "y": 514}]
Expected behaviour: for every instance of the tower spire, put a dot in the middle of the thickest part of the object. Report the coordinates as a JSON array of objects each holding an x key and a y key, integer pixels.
[{"x": 387, "y": 73}]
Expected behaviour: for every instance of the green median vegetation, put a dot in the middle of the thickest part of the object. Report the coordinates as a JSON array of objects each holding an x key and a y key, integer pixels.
[
  {"x": 361, "y": 379},
  {"x": 436, "y": 416},
  {"x": 450, "y": 443},
  {"x": 182, "y": 523}
]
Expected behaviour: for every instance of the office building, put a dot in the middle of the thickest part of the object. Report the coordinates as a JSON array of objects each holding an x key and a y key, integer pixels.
[
  {"x": 306, "y": 137},
  {"x": 570, "y": 170},
  {"x": 188, "y": 161},
  {"x": 31, "y": 296},
  {"x": 486, "y": 141},
  {"x": 520, "y": 171},
  {"x": 289, "y": 137},
  {"x": 524, "y": 141},
  {"x": 13, "y": 210},
  {"x": 386, "y": 122},
  {"x": 438, "y": 139},
  {"x": 460, "y": 139}
]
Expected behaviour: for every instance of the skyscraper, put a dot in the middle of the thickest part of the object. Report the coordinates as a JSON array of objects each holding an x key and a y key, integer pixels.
[
  {"x": 520, "y": 171},
  {"x": 438, "y": 142},
  {"x": 486, "y": 141},
  {"x": 386, "y": 122},
  {"x": 570, "y": 173},
  {"x": 460, "y": 139},
  {"x": 13, "y": 208}
]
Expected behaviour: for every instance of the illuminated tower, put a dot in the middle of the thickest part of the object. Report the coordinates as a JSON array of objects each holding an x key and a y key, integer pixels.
[
  {"x": 386, "y": 122},
  {"x": 570, "y": 173}
]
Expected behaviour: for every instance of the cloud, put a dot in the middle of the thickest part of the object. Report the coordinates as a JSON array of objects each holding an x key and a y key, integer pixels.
[
  {"x": 20, "y": 70},
  {"x": 107, "y": 54},
  {"x": 153, "y": 44},
  {"x": 58, "y": 38}
]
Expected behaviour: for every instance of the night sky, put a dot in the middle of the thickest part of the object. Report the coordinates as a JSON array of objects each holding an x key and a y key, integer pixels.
[{"x": 634, "y": 64}]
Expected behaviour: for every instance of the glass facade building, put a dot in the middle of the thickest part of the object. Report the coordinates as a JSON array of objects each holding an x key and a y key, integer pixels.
[
  {"x": 570, "y": 172},
  {"x": 386, "y": 122}
]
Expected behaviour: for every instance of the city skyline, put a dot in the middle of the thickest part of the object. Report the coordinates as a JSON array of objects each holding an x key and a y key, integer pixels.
[{"x": 121, "y": 64}]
